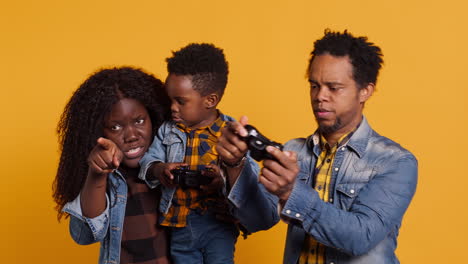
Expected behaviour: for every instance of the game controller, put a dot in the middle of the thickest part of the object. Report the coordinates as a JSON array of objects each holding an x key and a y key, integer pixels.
[
  {"x": 257, "y": 144},
  {"x": 187, "y": 178}
]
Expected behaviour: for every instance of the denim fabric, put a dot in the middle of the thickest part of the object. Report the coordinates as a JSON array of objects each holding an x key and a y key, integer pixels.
[
  {"x": 205, "y": 239},
  {"x": 105, "y": 228},
  {"x": 373, "y": 182},
  {"x": 169, "y": 146}
]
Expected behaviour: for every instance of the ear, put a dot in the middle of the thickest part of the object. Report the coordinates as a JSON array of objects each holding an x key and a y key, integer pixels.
[
  {"x": 211, "y": 100},
  {"x": 366, "y": 92}
]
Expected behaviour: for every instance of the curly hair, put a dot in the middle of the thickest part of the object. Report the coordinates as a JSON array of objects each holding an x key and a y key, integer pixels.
[
  {"x": 366, "y": 57},
  {"x": 205, "y": 63},
  {"x": 82, "y": 121}
]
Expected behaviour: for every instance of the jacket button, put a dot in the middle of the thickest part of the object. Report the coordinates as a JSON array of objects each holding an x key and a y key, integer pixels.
[
  {"x": 351, "y": 191},
  {"x": 288, "y": 211},
  {"x": 298, "y": 215}
]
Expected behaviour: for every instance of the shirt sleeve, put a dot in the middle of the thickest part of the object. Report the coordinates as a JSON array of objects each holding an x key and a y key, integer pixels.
[
  {"x": 253, "y": 205},
  {"x": 374, "y": 213},
  {"x": 156, "y": 153},
  {"x": 86, "y": 230}
]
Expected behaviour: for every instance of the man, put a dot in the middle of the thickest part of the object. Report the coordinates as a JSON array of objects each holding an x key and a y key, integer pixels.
[{"x": 343, "y": 190}]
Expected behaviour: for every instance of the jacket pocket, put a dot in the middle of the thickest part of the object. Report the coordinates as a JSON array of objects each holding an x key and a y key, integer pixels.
[
  {"x": 174, "y": 150},
  {"x": 347, "y": 192}
]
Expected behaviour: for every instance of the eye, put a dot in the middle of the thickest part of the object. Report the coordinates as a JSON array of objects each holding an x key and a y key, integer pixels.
[
  {"x": 116, "y": 127},
  {"x": 180, "y": 101},
  {"x": 313, "y": 85},
  {"x": 139, "y": 121}
]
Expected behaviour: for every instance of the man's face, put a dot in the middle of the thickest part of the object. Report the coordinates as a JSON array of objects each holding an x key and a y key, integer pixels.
[
  {"x": 336, "y": 99},
  {"x": 188, "y": 106},
  {"x": 129, "y": 126}
]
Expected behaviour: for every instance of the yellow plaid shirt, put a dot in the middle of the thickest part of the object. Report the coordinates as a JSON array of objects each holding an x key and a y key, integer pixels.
[
  {"x": 200, "y": 151},
  {"x": 312, "y": 251}
]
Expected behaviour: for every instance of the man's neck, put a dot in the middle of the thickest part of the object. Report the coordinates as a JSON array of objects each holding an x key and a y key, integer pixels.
[{"x": 334, "y": 137}]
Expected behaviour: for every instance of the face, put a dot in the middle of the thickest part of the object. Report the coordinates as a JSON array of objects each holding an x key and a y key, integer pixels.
[
  {"x": 336, "y": 99},
  {"x": 128, "y": 125},
  {"x": 188, "y": 106}
]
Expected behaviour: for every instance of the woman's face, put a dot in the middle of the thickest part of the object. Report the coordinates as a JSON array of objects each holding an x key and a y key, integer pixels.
[{"x": 129, "y": 126}]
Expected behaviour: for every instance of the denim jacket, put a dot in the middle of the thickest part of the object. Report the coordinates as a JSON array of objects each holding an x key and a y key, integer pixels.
[
  {"x": 105, "y": 228},
  {"x": 169, "y": 146},
  {"x": 372, "y": 184}
]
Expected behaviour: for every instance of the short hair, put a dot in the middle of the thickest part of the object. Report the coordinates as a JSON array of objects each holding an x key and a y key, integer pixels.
[
  {"x": 365, "y": 57},
  {"x": 205, "y": 63},
  {"x": 82, "y": 121}
]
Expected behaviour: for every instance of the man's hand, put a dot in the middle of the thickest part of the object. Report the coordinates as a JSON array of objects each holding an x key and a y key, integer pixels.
[
  {"x": 162, "y": 171},
  {"x": 215, "y": 173},
  {"x": 278, "y": 175},
  {"x": 104, "y": 158},
  {"x": 231, "y": 147}
]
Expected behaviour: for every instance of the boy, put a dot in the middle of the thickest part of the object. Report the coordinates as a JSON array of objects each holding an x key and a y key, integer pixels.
[{"x": 195, "y": 84}]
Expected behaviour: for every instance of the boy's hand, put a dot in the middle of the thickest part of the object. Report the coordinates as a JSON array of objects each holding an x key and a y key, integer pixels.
[
  {"x": 214, "y": 172},
  {"x": 231, "y": 147},
  {"x": 278, "y": 176},
  {"x": 104, "y": 158},
  {"x": 163, "y": 172}
]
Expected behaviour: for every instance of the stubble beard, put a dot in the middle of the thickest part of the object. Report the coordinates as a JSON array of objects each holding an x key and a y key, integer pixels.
[{"x": 326, "y": 130}]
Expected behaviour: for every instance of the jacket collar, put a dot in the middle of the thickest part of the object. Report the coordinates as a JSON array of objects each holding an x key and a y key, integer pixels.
[{"x": 358, "y": 141}]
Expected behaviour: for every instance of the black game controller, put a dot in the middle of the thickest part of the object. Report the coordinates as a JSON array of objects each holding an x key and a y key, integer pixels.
[
  {"x": 257, "y": 144},
  {"x": 187, "y": 178}
]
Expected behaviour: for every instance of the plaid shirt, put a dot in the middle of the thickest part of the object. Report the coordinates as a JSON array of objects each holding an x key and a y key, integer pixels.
[
  {"x": 143, "y": 240},
  {"x": 200, "y": 152},
  {"x": 313, "y": 252}
]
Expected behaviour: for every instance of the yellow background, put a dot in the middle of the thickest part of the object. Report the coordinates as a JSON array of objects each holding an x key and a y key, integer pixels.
[{"x": 48, "y": 48}]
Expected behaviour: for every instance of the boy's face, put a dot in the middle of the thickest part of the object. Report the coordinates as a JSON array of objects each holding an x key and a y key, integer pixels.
[{"x": 188, "y": 106}]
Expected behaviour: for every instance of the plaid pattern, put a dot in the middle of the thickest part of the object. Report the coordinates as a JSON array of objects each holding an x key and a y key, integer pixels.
[
  {"x": 200, "y": 152},
  {"x": 143, "y": 240},
  {"x": 313, "y": 252}
]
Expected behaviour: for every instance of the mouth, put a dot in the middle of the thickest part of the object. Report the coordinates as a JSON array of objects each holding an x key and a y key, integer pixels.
[
  {"x": 134, "y": 152},
  {"x": 322, "y": 113},
  {"x": 176, "y": 118}
]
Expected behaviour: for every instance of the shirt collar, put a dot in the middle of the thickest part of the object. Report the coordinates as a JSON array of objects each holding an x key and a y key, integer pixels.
[{"x": 213, "y": 128}]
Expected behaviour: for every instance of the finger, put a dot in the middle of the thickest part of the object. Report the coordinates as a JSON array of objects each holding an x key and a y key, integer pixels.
[
  {"x": 102, "y": 160},
  {"x": 105, "y": 143},
  {"x": 231, "y": 155},
  {"x": 238, "y": 128},
  {"x": 95, "y": 168},
  {"x": 269, "y": 186},
  {"x": 233, "y": 144},
  {"x": 287, "y": 160},
  {"x": 117, "y": 158},
  {"x": 244, "y": 120}
]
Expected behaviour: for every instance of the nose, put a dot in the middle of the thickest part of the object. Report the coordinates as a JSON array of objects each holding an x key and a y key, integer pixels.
[
  {"x": 130, "y": 134},
  {"x": 174, "y": 108},
  {"x": 320, "y": 94}
]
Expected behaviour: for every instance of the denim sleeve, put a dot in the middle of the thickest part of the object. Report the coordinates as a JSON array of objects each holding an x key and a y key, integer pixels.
[
  {"x": 254, "y": 206},
  {"x": 83, "y": 230},
  {"x": 377, "y": 209},
  {"x": 155, "y": 153}
]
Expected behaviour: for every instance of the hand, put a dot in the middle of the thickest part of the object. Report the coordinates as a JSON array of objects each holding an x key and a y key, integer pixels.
[
  {"x": 215, "y": 173},
  {"x": 278, "y": 175},
  {"x": 163, "y": 172},
  {"x": 104, "y": 158},
  {"x": 231, "y": 147}
]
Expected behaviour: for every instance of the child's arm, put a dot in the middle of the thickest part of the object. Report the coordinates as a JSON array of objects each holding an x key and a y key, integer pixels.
[
  {"x": 155, "y": 166},
  {"x": 103, "y": 159},
  {"x": 162, "y": 172}
]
